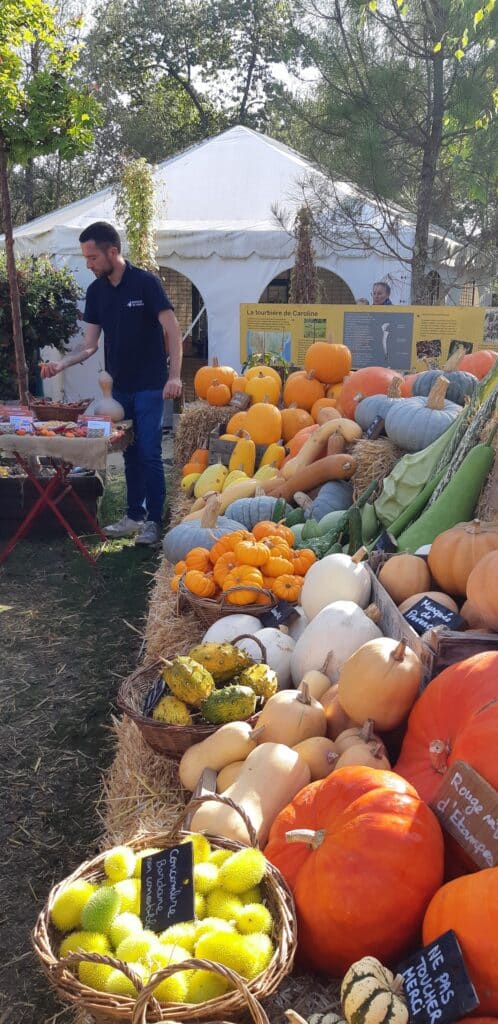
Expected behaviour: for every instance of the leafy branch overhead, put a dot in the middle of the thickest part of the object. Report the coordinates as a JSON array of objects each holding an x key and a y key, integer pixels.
[{"x": 135, "y": 207}]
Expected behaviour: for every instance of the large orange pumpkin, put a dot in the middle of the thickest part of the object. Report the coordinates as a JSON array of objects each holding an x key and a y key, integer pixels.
[
  {"x": 372, "y": 380},
  {"x": 478, "y": 363},
  {"x": 330, "y": 362},
  {"x": 363, "y": 872},
  {"x": 482, "y": 591},
  {"x": 469, "y": 906},
  {"x": 304, "y": 388},
  {"x": 206, "y": 374},
  {"x": 455, "y": 552}
]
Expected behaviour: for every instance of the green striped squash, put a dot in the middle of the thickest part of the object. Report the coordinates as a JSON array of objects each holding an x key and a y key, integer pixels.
[{"x": 371, "y": 994}]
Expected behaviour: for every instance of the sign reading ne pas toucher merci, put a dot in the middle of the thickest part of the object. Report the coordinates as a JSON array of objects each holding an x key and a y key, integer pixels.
[{"x": 400, "y": 337}]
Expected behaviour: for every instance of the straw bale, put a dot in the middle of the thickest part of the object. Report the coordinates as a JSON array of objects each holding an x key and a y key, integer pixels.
[
  {"x": 196, "y": 422},
  {"x": 180, "y": 504},
  {"x": 168, "y": 632},
  {"x": 375, "y": 460}
]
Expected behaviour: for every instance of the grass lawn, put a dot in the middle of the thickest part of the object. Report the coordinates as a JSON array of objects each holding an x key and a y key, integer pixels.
[{"x": 66, "y": 639}]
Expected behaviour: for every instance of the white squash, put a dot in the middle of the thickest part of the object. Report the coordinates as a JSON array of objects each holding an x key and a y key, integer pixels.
[
  {"x": 225, "y": 630},
  {"x": 279, "y": 648},
  {"x": 333, "y": 636},
  {"x": 335, "y": 578},
  {"x": 298, "y": 624},
  {"x": 268, "y": 780}
]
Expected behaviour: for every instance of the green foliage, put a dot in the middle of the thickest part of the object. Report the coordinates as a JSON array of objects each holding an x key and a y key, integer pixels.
[
  {"x": 49, "y": 312},
  {"x": 135, "y": 206}
]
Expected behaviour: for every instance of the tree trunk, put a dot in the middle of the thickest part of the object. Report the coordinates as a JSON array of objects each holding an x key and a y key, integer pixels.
[
  {"x": 425, "y": 195},
  {"x": 29, "y": 189},
  {"x": 21, "y": 367}
]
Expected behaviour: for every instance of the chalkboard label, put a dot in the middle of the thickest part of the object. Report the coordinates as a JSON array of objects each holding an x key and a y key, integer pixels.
[
  {"x": 426, "y": 614},
  {"x": 437, "y": 986},
  {"x": 467, "y": 807},
  {"x": 386, "y": 542},
  {"x": 240, "y": 401},
  {"x": 282, "y": 612},
  {"x": 375, "y": 429},
  {"x": 154, "y": 696},
  {"x": 167, "y": 894}
]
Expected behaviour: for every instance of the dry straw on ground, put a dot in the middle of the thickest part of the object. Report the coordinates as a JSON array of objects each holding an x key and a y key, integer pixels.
[
  {"x": 375, "y": 460},
  {"x": 196, "y": 423},
  {"x": 487, "y": 508}
]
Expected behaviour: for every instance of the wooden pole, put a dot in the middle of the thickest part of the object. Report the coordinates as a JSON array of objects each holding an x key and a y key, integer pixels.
[{"x": 15, "y": 303}]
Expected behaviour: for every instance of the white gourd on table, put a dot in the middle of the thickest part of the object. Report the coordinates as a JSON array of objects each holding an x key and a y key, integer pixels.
[{"x": 107, "y": 405}]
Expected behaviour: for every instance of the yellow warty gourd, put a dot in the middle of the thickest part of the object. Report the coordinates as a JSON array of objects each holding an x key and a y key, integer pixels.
[{"x": 212, "y": 479}]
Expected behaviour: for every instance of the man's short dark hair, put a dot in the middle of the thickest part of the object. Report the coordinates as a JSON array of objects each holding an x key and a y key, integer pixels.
[
  {"x": 103, "y": 234},
  {"x": 379, "y": 284}
]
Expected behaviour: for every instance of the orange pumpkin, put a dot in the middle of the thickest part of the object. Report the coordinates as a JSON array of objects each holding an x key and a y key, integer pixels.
[
  {"x": 175, "y": 582},
  {"x": 329, "y": 362},
  {"x": 227, "y": 543},
  {"x": 198, "y": 558},
  {"x": 263, "y": 423},
  {"x": 206, "y": 374},
  {"x": 236, "y": 423},
  {"x": 218, "y": 393},
  {"x": 238, "y": 385},
  {"x": 287, "y": 587},
  {"x": 224, "y": 564},
  {"x": 265, "y": 528},
  {"x": 294, "y": 419},
  {"x": 372, "y": 380},
  {"x": 371, "y": 825},
  {"x": 325, "y": 403},
  {"x": 269, "y": 371},
  {"x": 334, "y": 391},
  {"x": 261, "y": 387},
  {"x": 469, "y": 906},
  {"x": 248, "y": 581},
  {"x": 299, "y": 439},
  {"x": 180, "y": 568},
  {"x": 276, "y": 565},
  {"x": 199, "y": 583},
  {"x": 304, "y": 388},
  {"x": 455, "y": 552},
  {"x": 201, "y": 455},
  {"x": 192, "y": 467},
  {"x": 251, "y": 552},
  {"x": 482, "y": 590},
  {"x": 302, "y": 560},
  {"x": 478, "y": 363}
]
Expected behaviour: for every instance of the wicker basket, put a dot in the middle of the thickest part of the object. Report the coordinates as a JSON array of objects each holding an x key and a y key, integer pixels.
[
  {"x": 66, "y": 411},
  {"x": 209, "y": 610},
  {"x": 109, "y": 1008},
  {"x": 169, "y": 740}
]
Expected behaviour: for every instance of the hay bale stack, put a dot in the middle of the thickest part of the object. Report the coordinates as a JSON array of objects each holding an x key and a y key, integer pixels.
[
  {"x": 196, "y": 423},
  {"x": 167, "y": 633},
  {"x": 375, "y": 460}
]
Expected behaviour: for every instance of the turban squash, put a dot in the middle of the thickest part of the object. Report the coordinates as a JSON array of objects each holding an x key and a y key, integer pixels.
[{"x": 364, "y": 841}]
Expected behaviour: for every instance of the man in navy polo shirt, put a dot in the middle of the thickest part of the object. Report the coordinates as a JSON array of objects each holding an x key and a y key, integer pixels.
[{"x": 132, "y": 309}]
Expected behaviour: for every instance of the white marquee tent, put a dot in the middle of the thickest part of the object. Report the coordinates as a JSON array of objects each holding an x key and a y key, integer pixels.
[{"x": 216, "y": 226}]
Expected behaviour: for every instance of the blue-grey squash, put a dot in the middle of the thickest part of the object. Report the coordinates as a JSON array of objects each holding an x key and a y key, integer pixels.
[
  {"x": 334, "y": 496},
  {"x": 461, "y": 384},
  {"x": 249, "y": 511},
  {"x": 415, "y": 423},
  {"x": 195, "y": 533}
]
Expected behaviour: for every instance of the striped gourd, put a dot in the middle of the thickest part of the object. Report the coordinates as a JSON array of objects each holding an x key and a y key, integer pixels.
[{"x": 371, "y": 994}]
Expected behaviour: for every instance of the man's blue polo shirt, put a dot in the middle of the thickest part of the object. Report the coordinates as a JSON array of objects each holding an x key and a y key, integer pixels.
[{"x": 133, "y": 337}]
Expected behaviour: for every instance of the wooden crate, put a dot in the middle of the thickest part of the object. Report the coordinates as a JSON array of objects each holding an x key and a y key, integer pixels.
[
  {"x": 448, "y": 646},
  {"x": 393, "y": 624},
  {"x": 18, "y": 495},
  {"x": 220, "y": 451}
]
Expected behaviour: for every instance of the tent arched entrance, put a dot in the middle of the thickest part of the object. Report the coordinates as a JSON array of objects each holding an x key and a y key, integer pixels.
[{"x": 332, "y": 289}]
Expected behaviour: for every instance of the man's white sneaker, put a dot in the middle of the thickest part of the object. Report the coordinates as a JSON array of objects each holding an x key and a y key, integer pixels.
[
  {"x": 125, "y": 527},
  {"x": 150, "y": 533}
]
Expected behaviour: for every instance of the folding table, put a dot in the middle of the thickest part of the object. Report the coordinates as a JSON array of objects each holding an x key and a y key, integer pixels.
[{"x": 63, "y": 453}]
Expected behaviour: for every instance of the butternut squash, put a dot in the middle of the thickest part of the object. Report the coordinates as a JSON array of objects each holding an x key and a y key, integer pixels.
[
  {"x": 332, "y": 467},
  {"x": 228, "y": 775},
  {"x": 320, "y": 756},
  {"x": 231, "y": 742},
  {"x": 370, "y": 755},
  {"x": 268, "y": 780},
  {"x": 311, "y": 449},
  {"x": 317, "y": 682},
  {"x": 337, "y": 719},
  {"x": 291, "y": 716}
]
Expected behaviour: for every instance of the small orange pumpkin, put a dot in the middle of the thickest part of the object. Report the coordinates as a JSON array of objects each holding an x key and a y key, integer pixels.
[
  {"x": 251, "y": 552},
  {"x": 294, "y": 419},
  {"x": 206, "y": 374},
  {"x": 269, "y": 371},
  {"x": 329, "y": 362},
  {"x": 223, "y": 566},
  {"x": 180, "y": 568},
  {"x": 199, "y": 583},
  {"x": 261, "y": 387},
  {"x": 304, "y": 388},
  {"x": 192, "y": 467},
  {"x": 198, "y": 558},
  {"x": 302, "y": 561},
  {"x": 265, "y": 528},
  {"x": 227, "y": 543},
  {"x": 263, "y": 423},
  {"x": 287, "y": 587},
  {"x": 239, "y": 384},
  {"x": 278, "y": 566},
  {"x": 236, "y": 422},
  {"x": 277, "y": 546},
  {"x": 247, "y": 579},
  {"x": 325, "y": 403},
  {"x": 201, "y": 455},
  {"x": 175, "y": 581},
  {"x": 218, "y": 394}
]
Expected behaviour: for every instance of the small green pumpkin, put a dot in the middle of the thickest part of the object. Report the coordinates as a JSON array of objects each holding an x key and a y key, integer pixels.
[{"x": 371, "y": 994}]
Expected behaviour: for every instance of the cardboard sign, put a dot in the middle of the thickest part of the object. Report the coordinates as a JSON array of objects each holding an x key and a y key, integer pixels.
[
  {"x": 426, "y": 614},
  {"x": 375, "y": 429},
  {"x": 98, "y": 428},
  {"x": 282, "y": 612},
  {"x": 22, "y": 423},
  {"x": 386, "y": 542},
  {"x": 467, "y": 807},
  {"x": 167, "y": 895},
  {"x": 437, "y": 986},
  {"x": 240, "y": 401}
]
